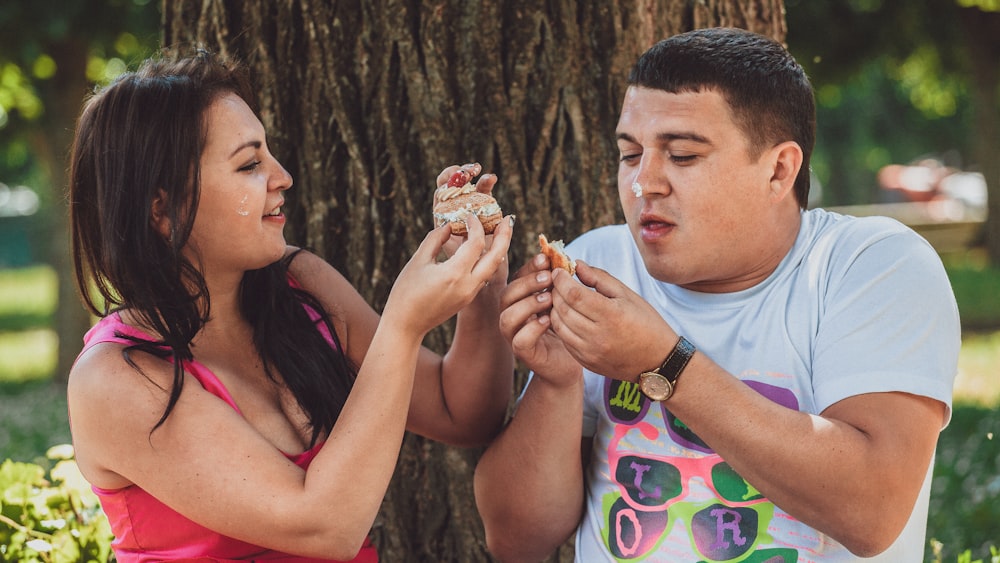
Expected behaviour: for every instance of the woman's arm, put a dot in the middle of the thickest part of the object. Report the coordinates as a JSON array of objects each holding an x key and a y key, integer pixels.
[
  {"x": 208, "y": 463},
  {"x": 460, "y": 398}
]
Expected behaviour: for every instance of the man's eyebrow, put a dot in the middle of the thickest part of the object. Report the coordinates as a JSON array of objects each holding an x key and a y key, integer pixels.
[
  {"x": 667, "y": 137},
  {"x": 254, "y": 144}
]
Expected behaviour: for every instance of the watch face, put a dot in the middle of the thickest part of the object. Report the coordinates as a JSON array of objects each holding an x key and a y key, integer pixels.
[{"x": 655, "y": 386}]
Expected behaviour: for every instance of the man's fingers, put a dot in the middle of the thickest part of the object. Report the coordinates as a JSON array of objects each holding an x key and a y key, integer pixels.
[
  {"x": 605, "y": 284},
  {"x": 525, "y": 341}
]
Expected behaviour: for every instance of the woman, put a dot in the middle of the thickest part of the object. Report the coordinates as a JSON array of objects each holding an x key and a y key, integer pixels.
[{"x": 239, "y": 399}]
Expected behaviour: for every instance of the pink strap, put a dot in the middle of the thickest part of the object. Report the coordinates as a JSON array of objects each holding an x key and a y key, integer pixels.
[{"x": 109, "y": 329}]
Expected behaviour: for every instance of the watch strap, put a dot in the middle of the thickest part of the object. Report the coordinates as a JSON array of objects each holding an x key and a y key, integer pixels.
[{"x": 677, "y": 360}]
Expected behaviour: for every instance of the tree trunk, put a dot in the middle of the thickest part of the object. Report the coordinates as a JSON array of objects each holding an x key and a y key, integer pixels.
[
  {"x": 365, "y": 102},
  {"x": 51, "y": 143},
  {"x": 982, "y": 38}
]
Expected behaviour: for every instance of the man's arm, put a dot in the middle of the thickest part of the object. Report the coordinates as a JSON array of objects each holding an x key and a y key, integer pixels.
[
  {"x": 529, "y": 482},
  {"x": 853, "y": 472}
]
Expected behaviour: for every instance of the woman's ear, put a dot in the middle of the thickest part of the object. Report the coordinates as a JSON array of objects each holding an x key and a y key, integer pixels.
[
  {"x": 786, "y": 160},
  {"x": 161, "y": 215}
]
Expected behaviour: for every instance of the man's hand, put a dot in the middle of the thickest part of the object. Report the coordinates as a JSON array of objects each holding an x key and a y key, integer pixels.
[
  {"x": 525, "y": 323},
  {"x": 610, "y": 330}
]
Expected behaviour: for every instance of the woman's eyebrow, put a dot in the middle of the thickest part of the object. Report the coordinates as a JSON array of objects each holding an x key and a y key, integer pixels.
[{"x": 253, "y": 144}]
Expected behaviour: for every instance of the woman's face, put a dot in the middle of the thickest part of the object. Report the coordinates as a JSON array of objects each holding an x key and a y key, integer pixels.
[{"x": 238, "y": 225}]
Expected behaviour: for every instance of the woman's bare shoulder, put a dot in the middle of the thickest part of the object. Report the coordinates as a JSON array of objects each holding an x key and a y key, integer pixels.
[
  {"x": 112, "y": 403},
  {"x": 108, "y": 364}
]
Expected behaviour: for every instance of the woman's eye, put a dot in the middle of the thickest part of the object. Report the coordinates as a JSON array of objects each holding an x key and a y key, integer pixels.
[
  {"x": 250, "y": 167},
  {"x": 629, "y": 157},
  {"x": 682, "y": 159}
]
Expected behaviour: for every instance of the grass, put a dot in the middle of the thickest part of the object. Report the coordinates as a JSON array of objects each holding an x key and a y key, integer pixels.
[
  {"x": 33, "y": 417},
  {"x": 965, "y": 495},
  {"x": 28, "y": 345},
  {"x": 28, "y": 298},
  {"x": 977, "y": 289},
  {"x": 978, "y": 381}
]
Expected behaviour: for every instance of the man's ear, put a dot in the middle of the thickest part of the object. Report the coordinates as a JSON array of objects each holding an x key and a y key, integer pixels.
[
  {"x": 786, "y": 160},
  {"x": 160, "y": 215}
]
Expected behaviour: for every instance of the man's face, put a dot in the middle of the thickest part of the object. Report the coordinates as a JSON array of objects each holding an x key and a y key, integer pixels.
[{"x": 705, "y": 217}]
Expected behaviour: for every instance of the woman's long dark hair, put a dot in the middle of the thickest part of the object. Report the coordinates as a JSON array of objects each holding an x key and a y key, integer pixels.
[{"x": 139, "y": 141}]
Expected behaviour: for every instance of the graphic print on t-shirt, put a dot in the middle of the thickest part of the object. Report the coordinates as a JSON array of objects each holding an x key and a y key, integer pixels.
[{"x": 674, "y": 494}]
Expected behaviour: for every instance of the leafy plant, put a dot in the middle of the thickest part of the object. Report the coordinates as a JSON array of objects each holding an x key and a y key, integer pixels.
[
  {"x": 963, "y": 557},
  {"x": 51, "y": 515},
  {"x": 965, "y": 494}
]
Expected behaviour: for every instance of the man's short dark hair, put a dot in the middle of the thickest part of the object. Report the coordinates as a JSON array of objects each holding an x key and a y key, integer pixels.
[{"x": 768, "y": 91}]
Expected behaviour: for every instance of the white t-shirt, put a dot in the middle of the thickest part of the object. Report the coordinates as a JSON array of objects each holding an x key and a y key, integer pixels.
[{"x": 857, "y": 306}]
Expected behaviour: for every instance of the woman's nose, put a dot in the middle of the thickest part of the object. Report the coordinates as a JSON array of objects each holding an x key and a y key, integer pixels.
[{"x": 280, "y": 179}]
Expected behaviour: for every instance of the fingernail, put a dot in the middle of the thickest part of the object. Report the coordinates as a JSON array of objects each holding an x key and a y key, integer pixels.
[
  {"x": 539, "y": 259},
  {"x": 542, "y": 277},
  {"x": 542, "y": 297},
  {"x": 511, "y": 219}
]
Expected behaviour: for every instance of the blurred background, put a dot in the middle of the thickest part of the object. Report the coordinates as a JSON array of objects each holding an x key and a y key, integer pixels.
[{"x": 900, "y": 132}]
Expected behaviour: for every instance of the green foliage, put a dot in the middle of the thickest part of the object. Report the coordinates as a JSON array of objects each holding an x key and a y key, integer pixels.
[
  {"x": 17, "y": 94},
  {"x": 33, "y": 417},
  {"x": 113, "y": 32},
  {"x": 922, "y": 75},
  {"x": 50, "y": 515},
  {"x": 964, "y": 557},
  {"x": 870, "y": 120},
  {"x": 893, "y": 90},
  {"x": 977, "y": 289},
  {"x": 965, "y": 495},
  {"x": 49, "y": 50},
  {"x": 984, "y": 5}
]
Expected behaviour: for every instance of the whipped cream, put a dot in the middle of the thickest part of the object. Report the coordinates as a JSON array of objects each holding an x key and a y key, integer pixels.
[{"x": 460, "y": 213}]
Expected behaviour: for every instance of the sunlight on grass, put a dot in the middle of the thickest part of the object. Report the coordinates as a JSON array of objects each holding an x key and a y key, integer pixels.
[
  {"x": 28, "y": 355},
  {"x": 978, "y": 380},
  {"x": 32, "y": 290}
]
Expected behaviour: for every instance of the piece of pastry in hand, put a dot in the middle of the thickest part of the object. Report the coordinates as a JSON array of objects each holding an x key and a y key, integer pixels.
[
  {"x": 556, "y": 253},
  {"x": 459, "y": 197}
]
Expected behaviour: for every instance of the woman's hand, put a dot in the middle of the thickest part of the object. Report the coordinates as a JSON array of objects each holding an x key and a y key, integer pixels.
[
  {"x": 427, "y": 292},
  {"x": 485, "y": 185}
]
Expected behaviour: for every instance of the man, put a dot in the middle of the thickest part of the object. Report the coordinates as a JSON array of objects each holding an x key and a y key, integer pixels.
[{"x": 751, "y": 381}]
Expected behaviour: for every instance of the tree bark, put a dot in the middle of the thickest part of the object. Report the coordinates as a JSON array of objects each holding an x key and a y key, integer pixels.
[
  {"x": 51, "y": 143},
  {"x": 365, "y": 102},
  {"x": 982, "y": 39}
]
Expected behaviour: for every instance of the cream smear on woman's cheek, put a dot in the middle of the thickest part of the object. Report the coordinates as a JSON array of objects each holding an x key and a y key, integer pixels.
[{"x": 242, "y": 210}]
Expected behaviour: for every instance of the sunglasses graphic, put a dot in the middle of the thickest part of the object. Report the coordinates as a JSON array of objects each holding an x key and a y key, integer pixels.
[
  {"x": 625, "y": 404},
  {"x": 654, "y": 498}
]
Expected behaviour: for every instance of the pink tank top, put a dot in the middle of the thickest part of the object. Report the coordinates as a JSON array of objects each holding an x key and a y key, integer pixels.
[{"x": 147, "y": 530}]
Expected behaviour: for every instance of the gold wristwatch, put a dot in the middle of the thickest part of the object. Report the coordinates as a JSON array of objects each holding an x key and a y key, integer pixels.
[{"x": 660, "y": 383}]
